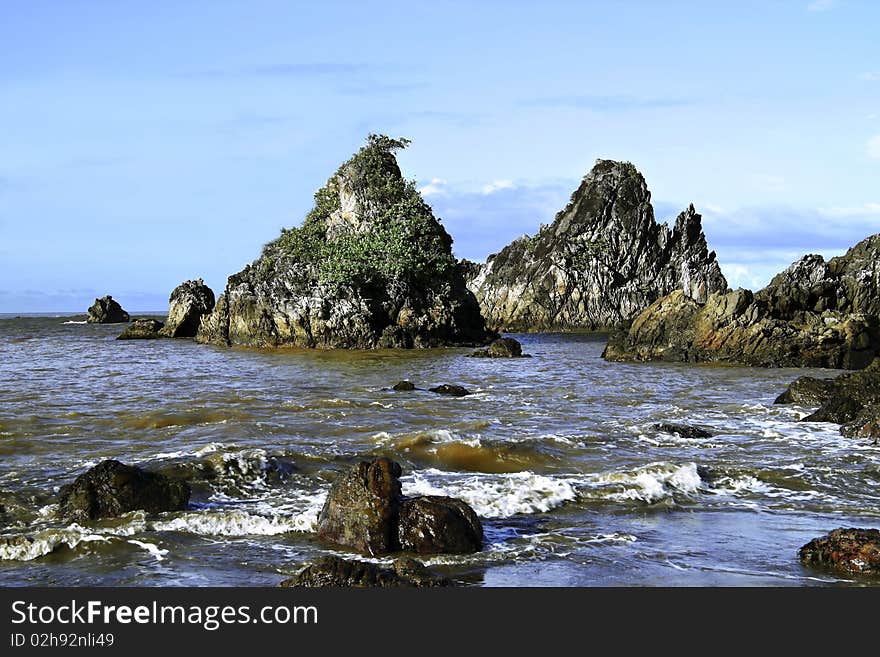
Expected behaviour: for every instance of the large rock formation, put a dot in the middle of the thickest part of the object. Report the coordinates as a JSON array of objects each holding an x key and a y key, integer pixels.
[
  {"x": 189, "y": 302},
  {"x": 107, "y": 311},
  {"x": 365, "y": 510},
  {"x": 603, "y": 260},
  {"x": 112, "y": 488},
  {"x": 814, "y": 314},
  {"x": 370, "y": 267}
]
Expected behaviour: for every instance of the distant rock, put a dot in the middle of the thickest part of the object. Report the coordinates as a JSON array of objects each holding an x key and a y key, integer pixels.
[
  {"x": 107, "y": 311},
  {"x": 337, "y": 572},
  {"x": 450, "y": 390},
  {"x": 850, "y": 550},
  {"x": 602, "y": 261},
  {"x": 501, "y": 348},
  {"x": 404, "y": 386},
  {"x": 112, "y": 488},
  {"x": 814, "y": 314},
  {"x": 366, "y": 511},
  {"x": 142, "y": 329},
  {"x": 189, "y": 302},
  {"x": 370, "y": 267},
  {"x": 683, "y": 430}
]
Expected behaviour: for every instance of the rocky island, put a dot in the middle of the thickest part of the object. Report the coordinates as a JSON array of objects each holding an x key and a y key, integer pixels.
[
  {"x": 370, "y": 267},
  {"x": 813, "y": 314},
  {"x": 602, "y": 261}
]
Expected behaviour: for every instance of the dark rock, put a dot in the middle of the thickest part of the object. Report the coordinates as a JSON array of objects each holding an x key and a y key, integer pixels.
[
  {"x": 851, "y": 550},
  {"x": 866, "y": 424},
  {"x": 365, "y": 511},
  {"x": 112, "y": 488},
  {"x": 336, "y": 572},
  {"x": 683, "y": 430},
  {"x": 451, "y": 390},
  {"x": 189, "y": 302},
  {"x": 433, "y": 524},
  {"x": 107, "y": 311},
  {"x": 501, "y": 348},
  {"x": 601, "y": 262},
  {"x": 370, "y": 267},
  {"x": 807, "y": 391},
  {"x": 404, "y": 386},
  {"x": 838, "y": 409},
  {"x": 142, "y": 329},
  {"x": 362, "y": 508}
]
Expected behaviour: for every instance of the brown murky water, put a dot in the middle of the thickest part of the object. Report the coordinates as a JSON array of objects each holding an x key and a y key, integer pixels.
[{"x": 556, "y": 453}]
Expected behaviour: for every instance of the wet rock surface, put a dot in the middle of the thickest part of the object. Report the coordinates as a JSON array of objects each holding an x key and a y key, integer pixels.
[
  {"x": 849, "y": 550},
  {"x": 370, "y": 267},
  {"x": 337, "y": 572},
  {"x": 112, "y": 488},
  {"x": 142, "y": 329},
  {"x": 107, "y": 310},
  {"x": 404, "y": 386},
  {"x": 450, "y": 390},
  {"x": 603, "y": 260},
  {"x": 366, "y": 511},
  {"x": 501, "y": 348},
  {"x": 683, "y": 430},
  {"x": 189, "y": 302}
]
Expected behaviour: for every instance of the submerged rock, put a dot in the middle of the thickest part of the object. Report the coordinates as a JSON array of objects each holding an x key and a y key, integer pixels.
[
  {"x": 603, "y": 260},
  {"x": 142, "y": 329},
  {"x": 112, "y": 488},
  {"x": 439, "y": 524},
  {"x": 336, "y": 572},
  {"x": 107, "y": 311},
  {"x": 683, "y": 430},
  {"x": 370, "y": 267},
  {"x": 851, "y": 550},
  {"x": 365, "y": 510},
  {"x": 501, "y": 348},
  {"x": 450, "y": 390},
  {"x": 404, "y": 386},
  {"x": 189, "y": 302}
]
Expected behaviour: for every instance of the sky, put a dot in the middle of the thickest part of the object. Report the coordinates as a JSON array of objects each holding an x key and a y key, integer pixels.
[{"x": 145, "y": 143}]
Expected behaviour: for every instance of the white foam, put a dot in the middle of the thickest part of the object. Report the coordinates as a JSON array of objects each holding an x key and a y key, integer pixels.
[
  {"x": 152, "y": 548},
  {"x": 651, "y": 483},
  {"x": 75, "y": 322},
  {"x": 27, "y": 548},
  {"x": 238, "y": 523}
]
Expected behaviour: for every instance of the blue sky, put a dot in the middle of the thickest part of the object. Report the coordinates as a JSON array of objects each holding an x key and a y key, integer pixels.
[{"x": 144, "y": 143}]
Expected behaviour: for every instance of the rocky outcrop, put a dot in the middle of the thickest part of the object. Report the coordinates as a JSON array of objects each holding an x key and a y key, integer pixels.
[
  {"x": 814, "y": 314},
  {"x": 107, "y": 311},
  {"x": 189, "y": 302},
  {"x": 365, "y": 510},
  {"x": 142, "y": 329},
  {"x": 852, "y": 399},
  {"x": 370, "y": 267},
  {"x": 849, "y": 550},
  {"x": 336, "y": 572},
  {"x": 112, "y": 488},
  {"x": 501, "y": 348},
  {"x": 603, "y": 260}
]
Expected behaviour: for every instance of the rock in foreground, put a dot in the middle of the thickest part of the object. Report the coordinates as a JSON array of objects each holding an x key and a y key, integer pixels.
[
  {"x": 112, "y": 488},
  {"x": 142, "y": 329},
  {"x": 849, "y": 550},
  {"x": 370, "y": 267},
  {"x": 336, "y": 572},
  {"x": 365, "y": 510},
  {"x": 107, "y": 311},
  {"x": 603, "y": 260},
  {"x": 189, "y": 302}
]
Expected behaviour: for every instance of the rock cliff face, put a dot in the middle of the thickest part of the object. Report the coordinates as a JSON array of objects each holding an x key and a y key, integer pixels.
[
  {"x": 814, "y": 314},
  {"x": 189, "y": 302},
  {"x": 370, "y": 267},
  {"x": 603, "y": 260}
]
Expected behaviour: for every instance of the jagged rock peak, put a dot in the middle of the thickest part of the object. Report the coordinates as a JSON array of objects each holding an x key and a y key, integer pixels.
[
  {"x": 370, "y": 267},
  {"x": 603, "y": 260}
]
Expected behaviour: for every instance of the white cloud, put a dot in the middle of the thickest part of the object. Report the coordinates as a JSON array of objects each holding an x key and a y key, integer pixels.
[
  {"x": 866, "y": 210},
  {"x": 497, "y": 185},
  {"x": 870, "y": 76},
  {"x": 874, "y": 147},
  {"x": 821, "y": 5},
  {"x": 433, "y": 188}
]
